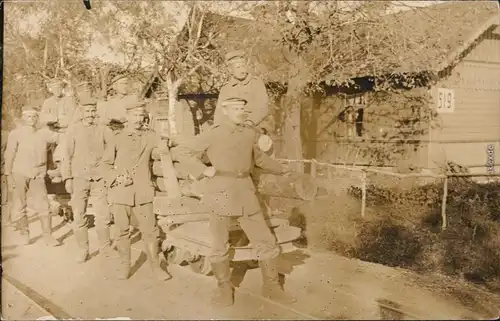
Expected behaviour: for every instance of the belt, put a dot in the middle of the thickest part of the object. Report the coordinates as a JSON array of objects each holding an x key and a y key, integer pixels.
[{"x": 232, "y": 174}]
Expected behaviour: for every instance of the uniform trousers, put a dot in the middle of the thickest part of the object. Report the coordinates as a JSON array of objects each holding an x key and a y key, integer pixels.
[
  {"x": 142, "y": 214},
  {"x": 38, "y": 192},
  {"x": 256, "y": 229},
  {"x": 82, "y": 189}
]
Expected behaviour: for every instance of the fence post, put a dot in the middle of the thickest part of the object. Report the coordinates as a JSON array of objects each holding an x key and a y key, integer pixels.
[
  {"x": 363, "y": 193},
  {"x": 314, "y": 167},
  {"x": 443, "y": 204}
]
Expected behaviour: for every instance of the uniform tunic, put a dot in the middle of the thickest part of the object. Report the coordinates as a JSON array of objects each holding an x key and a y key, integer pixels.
[
  {"x": 232, "y": 152},
  {"x": 84, "y": 149},
  {"x": 254, "y": 90},
  {"x": 130, "y": 154},
  {"x": 59, "y": 109},
  {"x": 114, "y": 108},
  {"x": 26, "y": 161}
]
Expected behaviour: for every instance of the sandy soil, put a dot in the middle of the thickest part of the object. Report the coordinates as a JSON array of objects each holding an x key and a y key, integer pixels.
[{"x": 326, "y": 285}]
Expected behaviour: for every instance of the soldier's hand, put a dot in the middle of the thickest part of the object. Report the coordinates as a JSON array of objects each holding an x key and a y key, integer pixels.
[
  {"x": 250, "y": 123},
  {"x": 287, "y": 171},
  {"x": 68, "y": 185},
  {"x": 209, "y": 172}
]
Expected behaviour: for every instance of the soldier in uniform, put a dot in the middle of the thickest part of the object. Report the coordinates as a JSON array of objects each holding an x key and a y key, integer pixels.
[
  {"x": 127, "y": 171},
  {"x": 58, "y": 109},
  {"x": 83, "y": 90},
  {"x": 84, "y": 149},
  {"x": 26, "y": 166},
  {"x": 229, "y": 190},
  {"x": 242, "y": 83},
  {"x": 58, "y": 112},
  {"x": 113, "y": 112}
]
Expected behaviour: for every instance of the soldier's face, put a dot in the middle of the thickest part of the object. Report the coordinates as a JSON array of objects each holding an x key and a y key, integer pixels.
[
  {"x": 135, "y": 118},
  {"x": 89, "y": 114},
  {"x": 30, "y": 119},
  {"x": 56, "y": 90},
  {"x": 238, "y": 68},
  {"x": 121, "y": 87},
  {"x": 236, "y": 113}
]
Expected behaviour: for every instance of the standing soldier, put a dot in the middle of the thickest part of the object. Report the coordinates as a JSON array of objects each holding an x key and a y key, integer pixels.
[
  {"x": 113, "y": 112},
  {"x": 26, "y": 166},
  {"x": 231, "y": 149},
  {"x": 58, "y": 109},
  {"x": 242, "y": 83},
  {"x": 58, "y": 112},
  {"x": 127, "y": 171},
  {"x": 85, "y": 144},
  {"x": 83, "y": 90}
]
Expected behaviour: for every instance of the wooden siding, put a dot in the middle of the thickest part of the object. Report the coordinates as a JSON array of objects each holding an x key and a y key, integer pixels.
[{"x": 465, "y": 134}]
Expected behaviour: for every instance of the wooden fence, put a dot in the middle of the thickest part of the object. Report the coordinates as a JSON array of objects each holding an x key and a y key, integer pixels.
[{"x": 363, "y": 177}]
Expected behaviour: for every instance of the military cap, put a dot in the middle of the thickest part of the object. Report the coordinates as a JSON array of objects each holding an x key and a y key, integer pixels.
[
  {"x": 234, "y": 101},
  {"x": 30, "y": 109},
  {"x": 235, "y": 54},
  {"x": 137, "y": 104},
  {"x": 88, "y": 101},
  {"x": 83, "y": 85},
  {"x": 120, "y": 78},
  {"x": 54, "y": 81}
]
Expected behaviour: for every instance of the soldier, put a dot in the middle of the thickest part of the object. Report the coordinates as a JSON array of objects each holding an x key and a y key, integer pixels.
[
  {"x": 26, "y": 166},
  {"x": 84, "y": 148},
  {"x": 231, "y": 149},
  {"x": 113, "y": 111},
  {"x": 243, "y": 83},
  {"x": 127, "y": 172},
  {"x": 83, "y": 90},
  {"x": 58, "y": 109}
]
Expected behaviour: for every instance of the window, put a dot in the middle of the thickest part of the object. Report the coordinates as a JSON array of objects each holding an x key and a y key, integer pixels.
[{"x": 352, "y": 115}]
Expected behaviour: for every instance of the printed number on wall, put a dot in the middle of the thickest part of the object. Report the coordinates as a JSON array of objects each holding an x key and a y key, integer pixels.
[{"x": 445, "y": 100}]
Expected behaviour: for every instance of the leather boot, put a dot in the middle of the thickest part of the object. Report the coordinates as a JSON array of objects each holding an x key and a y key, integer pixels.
[
  {"x": 103, "y": 235},
  {"x": 46, "y": 221},
  {"x": 154, "y": 262},
  {"x": 123, "y": 246},
  {"x": 82, "y": 241},
  {"x": 23, "y": 227},
  {"x": 224, "y": 294},
  {"x": 271, "y": 285}
]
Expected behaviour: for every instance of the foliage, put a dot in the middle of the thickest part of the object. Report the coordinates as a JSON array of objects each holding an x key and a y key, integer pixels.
[
  {"x": 43, "y": 40},
  {"x": 402, "y": 228}
]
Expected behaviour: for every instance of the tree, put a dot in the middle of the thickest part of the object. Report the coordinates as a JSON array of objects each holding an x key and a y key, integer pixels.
[
  {"x": 169, "y": 37},
  {"x": 315, "y": 44},
  {"x": 43, "y": 40}
]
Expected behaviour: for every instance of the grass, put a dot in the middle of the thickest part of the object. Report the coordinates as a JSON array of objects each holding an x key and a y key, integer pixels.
[{"x": 402, "y": 228}]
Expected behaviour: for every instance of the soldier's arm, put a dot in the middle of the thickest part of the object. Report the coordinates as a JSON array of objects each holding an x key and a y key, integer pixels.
[
  {"x": 266, "y": 162},
  {"x": 261, "y": 108},
  {"x": 190, "y": 150},
  {"x": 10, "y": 151},
  {"x": 68, "y": 153},
  {"x": 50, "y": 137}
]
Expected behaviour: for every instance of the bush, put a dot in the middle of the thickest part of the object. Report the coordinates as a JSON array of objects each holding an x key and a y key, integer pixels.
[{"x": 402, "y": 228}]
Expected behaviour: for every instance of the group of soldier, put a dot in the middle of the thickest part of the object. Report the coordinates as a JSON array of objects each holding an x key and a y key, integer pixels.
[{"x": 113, "y": 165}]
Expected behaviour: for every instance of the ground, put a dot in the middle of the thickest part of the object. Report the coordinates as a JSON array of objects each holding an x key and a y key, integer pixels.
[{"x": 39, "y": 281}]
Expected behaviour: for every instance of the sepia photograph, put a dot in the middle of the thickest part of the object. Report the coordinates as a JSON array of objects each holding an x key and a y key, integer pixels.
[{"x": 248, "y": 160}]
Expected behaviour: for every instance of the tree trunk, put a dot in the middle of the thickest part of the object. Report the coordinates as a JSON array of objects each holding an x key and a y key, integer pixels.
[
  {"x": 173, "y": 89},
  {"x": 310, "y": 113},
  {"x": 292, "y": 145}
]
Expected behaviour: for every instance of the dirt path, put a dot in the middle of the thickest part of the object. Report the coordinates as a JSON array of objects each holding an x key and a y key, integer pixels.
[{"x": 327, "y": 286}]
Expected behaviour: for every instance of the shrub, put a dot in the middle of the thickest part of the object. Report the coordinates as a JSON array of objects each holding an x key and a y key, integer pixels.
[{"x": 402, "y": 228}]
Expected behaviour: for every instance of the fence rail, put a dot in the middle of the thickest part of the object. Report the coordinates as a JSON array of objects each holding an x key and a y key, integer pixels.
[{"x": 363, "y": 177}]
